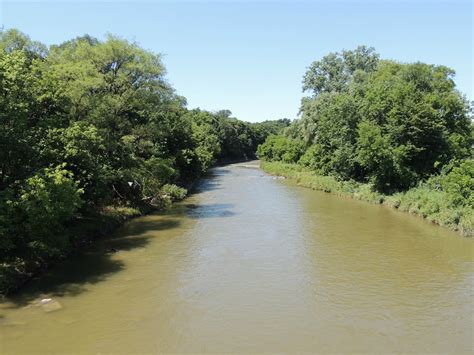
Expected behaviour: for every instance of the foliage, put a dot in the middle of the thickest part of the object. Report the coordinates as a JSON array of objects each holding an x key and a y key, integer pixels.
[
  {"x": 335, "y": 70},
  {"x": 33, "y": 220},
  {"x": 90, "y": 126},
  {"x": 458, "y": 183},
  {"x": 333, "y": 133},
  {"x": 176, "y": 193},
  {"x": 261, "y": 130},
  {"x": 281, "y": 148},
  {"x": 387, "y": 123},
  {"x": 47, "y": 201}
]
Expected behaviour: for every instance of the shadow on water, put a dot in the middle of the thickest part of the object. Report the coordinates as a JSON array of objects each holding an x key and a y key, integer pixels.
[
  {"x": 210, "y": 210},
  {"x": 209, "y": 181},
  {"x": 220, "y": 172},
  {"x": 208, "y": 184},
  {"x": 90, "y": 266}
]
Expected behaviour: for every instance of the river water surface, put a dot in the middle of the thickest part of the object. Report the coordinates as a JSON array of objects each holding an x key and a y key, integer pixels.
[{"x": 251, "y": 263}]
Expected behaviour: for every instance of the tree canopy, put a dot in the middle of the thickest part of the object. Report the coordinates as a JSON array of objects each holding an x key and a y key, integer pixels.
[{"x": 388, "y": 123}]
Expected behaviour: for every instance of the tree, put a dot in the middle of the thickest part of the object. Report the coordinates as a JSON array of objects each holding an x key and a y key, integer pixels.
[
  {"x": 421, "y": 115},
  {"x": 281, "y": 148},
  {"x": 380, "y": 121},
  {"x": 334, "y": 71}
]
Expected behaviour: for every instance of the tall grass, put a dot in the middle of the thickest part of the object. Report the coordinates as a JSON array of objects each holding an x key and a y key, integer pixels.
[{"x": 433, "y": 205}]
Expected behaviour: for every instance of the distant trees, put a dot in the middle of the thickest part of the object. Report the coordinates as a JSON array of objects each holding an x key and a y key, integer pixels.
[
  {"x": 281, "y": 148},
  {"x": 378, "y": 121}
]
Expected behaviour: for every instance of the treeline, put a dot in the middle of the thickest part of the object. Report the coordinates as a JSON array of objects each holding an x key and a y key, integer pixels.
[
  {"x": 396, "y": 127},
  {"x": 92, "y": 127}
]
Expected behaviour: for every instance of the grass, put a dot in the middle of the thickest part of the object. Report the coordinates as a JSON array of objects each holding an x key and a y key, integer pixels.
[{"x": 433, "y": 205}]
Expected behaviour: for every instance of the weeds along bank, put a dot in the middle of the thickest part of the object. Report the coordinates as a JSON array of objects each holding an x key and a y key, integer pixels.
[
  {"x": 427, "y": 200},
  {"x": 91, "y": 133},
  {"x": 382, "y": 131}
]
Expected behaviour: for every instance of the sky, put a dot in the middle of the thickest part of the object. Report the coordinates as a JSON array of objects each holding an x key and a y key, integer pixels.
[{"x": 250, "y": 56}]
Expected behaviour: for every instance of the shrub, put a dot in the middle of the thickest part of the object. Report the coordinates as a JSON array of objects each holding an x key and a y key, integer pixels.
[
  {"x": 281, "y": 148},
  {"x": 176, "y": 193},
  {"x": 47, "y": 201},
  {"x": 459, "y": 183}
]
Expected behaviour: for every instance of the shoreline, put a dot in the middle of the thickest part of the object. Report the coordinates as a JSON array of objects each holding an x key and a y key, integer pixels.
[
  {"x": 363, "y": 192},
  {"x": 85, "y": 231}
]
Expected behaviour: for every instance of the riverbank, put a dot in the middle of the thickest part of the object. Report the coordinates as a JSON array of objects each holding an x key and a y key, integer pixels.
[
  {"x": 82, "y": 231},
  {"x": 421, "y": 201}
]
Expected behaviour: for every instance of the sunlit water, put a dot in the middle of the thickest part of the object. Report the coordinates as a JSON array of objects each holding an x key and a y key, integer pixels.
[{"x": 255, "y": 264}]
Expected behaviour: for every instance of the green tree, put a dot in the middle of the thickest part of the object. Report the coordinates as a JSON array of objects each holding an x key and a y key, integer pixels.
[
  {"x": 334, "y": 71},
  {"x": 281, "y": 148},
  {"x": 374, "y": 120},
  {"x": 419, "y": 112}
]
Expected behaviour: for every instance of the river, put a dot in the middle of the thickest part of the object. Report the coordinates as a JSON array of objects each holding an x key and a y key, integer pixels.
[{"x": 251, "y": 263}]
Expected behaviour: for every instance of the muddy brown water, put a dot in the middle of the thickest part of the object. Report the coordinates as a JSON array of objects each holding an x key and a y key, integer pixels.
[{"x": 255, "y": 264}]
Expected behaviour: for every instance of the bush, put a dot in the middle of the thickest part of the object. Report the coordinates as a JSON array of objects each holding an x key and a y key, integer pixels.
[
  {"x": 281, "y": 148},
  {"x": 47, "y": 201},
  {"x": 459, "y": 183},
  {"x": 33, "y": 221},
  {"x": 175, "y": 193}
]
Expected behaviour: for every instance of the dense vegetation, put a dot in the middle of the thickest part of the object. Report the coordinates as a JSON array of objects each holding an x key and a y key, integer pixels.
[
  {"x": 90, "y": 129},
  {"x": 402, "y": 129}
]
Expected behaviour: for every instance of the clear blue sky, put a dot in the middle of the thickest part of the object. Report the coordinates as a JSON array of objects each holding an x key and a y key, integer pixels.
[{"x": 250, "y": 56}]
